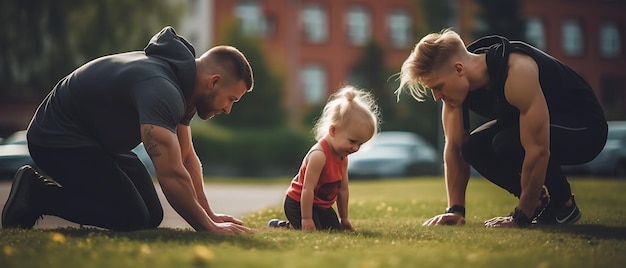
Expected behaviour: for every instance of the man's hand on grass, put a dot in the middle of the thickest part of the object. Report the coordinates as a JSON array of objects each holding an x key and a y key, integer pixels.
[
  {"x": 225, "y": 218},
  {"x": 445, "y": 219},
  {"x": 501, "y": 222},
  {"x": 229, "y": 228}
]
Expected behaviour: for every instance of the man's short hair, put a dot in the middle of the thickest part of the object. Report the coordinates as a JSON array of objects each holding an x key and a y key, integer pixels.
[{"x": 235, "y": 62}]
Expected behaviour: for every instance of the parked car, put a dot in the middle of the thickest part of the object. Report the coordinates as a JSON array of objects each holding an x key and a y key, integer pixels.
[
  {"x": 140, "y": 151},
  {"x": 14, "y": 154},
  {"x": 612, "y": 159},
  {"x": 395, "y": 154}
]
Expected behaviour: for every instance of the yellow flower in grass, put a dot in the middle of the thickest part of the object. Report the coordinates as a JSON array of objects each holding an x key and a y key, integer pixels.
[
  {"x": 202, "y": 255},
  {"x": 144, "y": 249},
  {"x": 8, "y": 250},
  {"x": 58, "y": 238}
]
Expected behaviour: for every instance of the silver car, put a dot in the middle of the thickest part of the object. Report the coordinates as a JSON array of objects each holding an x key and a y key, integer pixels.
[
  {"x": 14, "y": 154},
  {"x": 395, "y": 154}
]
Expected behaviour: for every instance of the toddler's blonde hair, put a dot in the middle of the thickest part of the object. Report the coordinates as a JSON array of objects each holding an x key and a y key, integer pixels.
[{"x": 346, "y": 105}]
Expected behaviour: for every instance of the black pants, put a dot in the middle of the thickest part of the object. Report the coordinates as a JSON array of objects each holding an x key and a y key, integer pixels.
[
  {"x": 110, "y": 191},
  {"x": 324, "y": 218},
  {"x": 497, "y": 154}
]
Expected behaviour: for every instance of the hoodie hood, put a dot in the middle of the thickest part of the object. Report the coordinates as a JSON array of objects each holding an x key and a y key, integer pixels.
[{"x": 178, "y": 53}]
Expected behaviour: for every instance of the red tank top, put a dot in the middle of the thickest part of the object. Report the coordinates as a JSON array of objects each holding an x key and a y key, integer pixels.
[{"x": 325, "y": 194}]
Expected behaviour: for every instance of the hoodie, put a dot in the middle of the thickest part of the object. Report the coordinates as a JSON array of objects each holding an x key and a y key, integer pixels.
[{"x": 102, "y": 103}]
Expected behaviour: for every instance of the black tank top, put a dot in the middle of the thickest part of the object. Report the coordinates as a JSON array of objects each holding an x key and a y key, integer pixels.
[{"x": 567, "y": 94}]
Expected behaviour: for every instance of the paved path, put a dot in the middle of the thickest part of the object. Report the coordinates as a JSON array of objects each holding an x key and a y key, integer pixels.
[{"x": 235, "y": 200}]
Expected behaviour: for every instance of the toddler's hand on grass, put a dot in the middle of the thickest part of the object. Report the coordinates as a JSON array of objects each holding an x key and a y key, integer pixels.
[
  {"x": 308, "y": 225},
  {"x": 345, "y": 223}
]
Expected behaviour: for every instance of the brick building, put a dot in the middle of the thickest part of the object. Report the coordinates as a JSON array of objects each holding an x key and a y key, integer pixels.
[
  {"x": 587, "y": 35},
  {"x": 317, "y": 42}
]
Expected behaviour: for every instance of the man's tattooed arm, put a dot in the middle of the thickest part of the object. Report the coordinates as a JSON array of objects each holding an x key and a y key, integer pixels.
[{"x": 148, "y": 141}]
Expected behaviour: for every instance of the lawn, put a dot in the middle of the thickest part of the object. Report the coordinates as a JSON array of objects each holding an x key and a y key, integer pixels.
[{"x": 388, "y": 216}]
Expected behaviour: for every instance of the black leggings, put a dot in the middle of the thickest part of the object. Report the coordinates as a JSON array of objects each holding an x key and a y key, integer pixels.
[
  {"x": 110, "y": 191},
  {"x": 496, "y": 152},
  {"x": 324, "y": 218}
]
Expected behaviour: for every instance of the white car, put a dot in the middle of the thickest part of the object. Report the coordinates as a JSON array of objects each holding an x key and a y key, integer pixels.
[{"x": 395, "y": 154}]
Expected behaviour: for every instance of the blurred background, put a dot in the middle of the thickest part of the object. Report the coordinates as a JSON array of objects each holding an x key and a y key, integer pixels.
[{"x": 301, "y": 51}]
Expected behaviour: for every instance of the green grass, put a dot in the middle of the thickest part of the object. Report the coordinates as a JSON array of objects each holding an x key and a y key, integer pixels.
[{"x": 387, "y": 214}]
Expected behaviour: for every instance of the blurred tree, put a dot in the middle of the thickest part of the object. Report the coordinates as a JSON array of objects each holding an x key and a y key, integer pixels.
[
  {"x": 420, "y": 117},
  {"x": 501, "y": 18},
  {"x": 43, "y": 40},
  {"x": 311, "y": 114},
  {"x": 438, "y": 14},
  {"x": 408, "y": 114},
  {"x": 370, "y": 73},
  {"x": 263, "y": 107}
]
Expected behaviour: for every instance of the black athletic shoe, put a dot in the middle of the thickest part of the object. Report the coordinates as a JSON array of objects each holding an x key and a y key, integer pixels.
[
  {"x": 19, "y": 210},
  {"x": 569, "y": 215},
  {"x": 276, "y": 223},
  {"x": 560, "y": 214}
]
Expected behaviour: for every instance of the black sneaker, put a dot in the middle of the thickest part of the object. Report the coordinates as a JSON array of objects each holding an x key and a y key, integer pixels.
[
  {"x": 19, "y": 210},
  {"x": 560, "y": 214},
  {"x": 276, "y": 223},
  {"x": 569, "y": 215}
]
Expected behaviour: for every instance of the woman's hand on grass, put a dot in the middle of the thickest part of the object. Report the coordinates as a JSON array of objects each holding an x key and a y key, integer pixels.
[{"x": 445, "y": 219}]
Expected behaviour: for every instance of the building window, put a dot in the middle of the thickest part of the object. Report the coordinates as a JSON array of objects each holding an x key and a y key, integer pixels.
[
  {"x": 251, "y": 18},
  {"x": 359, "y": 25},
  {"x": 314, "y": 83},
  {"x": 610, "y": 43},
  {"x": 315, "y": 23},
  {"x": 572, "y": 38},
  {"x": 535, "y": 33},
  {"x": 399, "y": 24}
]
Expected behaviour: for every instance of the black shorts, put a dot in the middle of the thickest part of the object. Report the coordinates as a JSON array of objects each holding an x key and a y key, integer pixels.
[{"x": 324, "y": 218}]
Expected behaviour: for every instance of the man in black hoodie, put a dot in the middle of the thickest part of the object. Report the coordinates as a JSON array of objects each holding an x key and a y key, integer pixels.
[
  {"x": 82, "y": 135},
  {"x": 542, "y": 115}
]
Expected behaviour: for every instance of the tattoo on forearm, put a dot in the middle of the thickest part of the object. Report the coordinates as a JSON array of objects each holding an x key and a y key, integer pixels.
[{"x": 151, "y": 147}]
